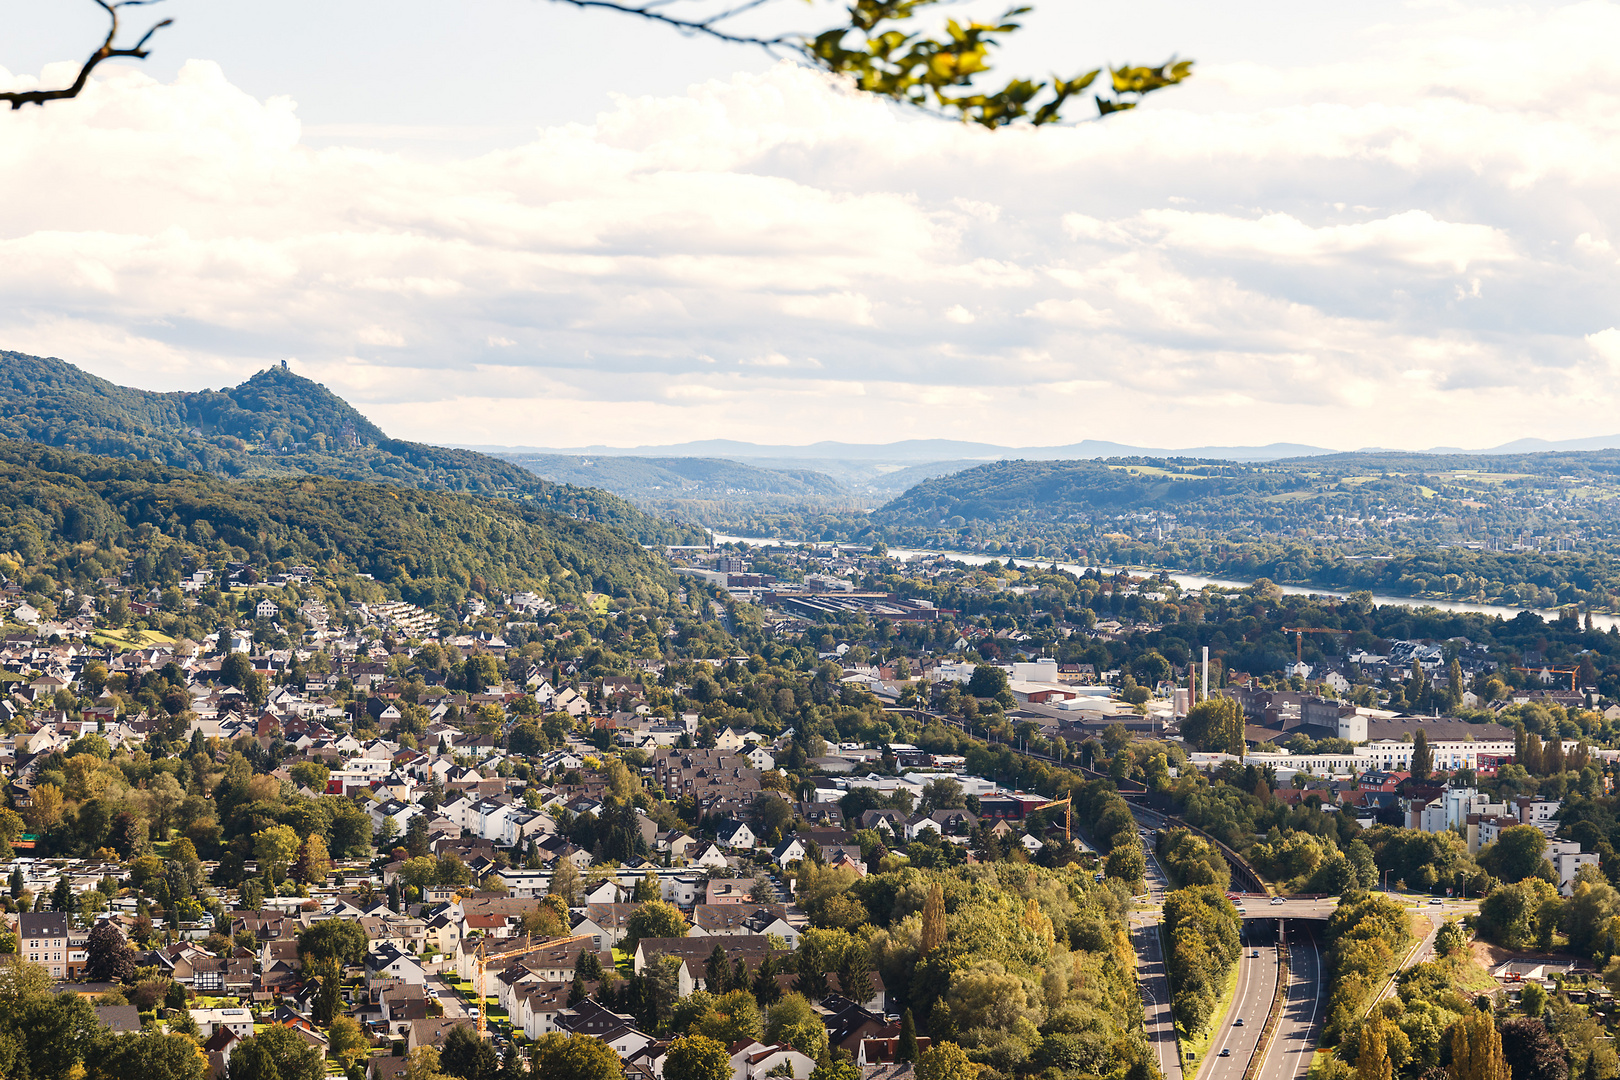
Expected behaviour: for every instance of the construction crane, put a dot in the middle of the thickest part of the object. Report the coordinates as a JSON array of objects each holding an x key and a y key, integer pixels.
[
  {"x": 1299, "y": 640},
  {"x": 483, "y": 1021},
  {"x": 1570, "y": 671},
  {"x": 1068, "y": 814}
]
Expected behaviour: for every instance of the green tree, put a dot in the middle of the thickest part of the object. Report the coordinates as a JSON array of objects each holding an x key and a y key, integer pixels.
[
  {"x": 347, "y": 1040},
  {"x": 276, "y": 1054},
  {"x": 933, "y": 919},
  {"x": 1127, "y": 863},
  {"x": 1508, "y": 916},
  {"x": 654, "y": 919},
  {"x": 145, "y": 1055},
  {"x": 907, "y": 1049},
  {"x": 54, "y": 1030},
  {"x": 565, "y": 882},
  {"x": 717, "y": 971},
  {"x": 329, "y": 999},
  {"x": 1451, "y": 938},
  {"x": 945, "y": 1061},
  {"x": 274, "y": 848},
  {"x": 20, "y": 979},
  {"x": 695, "y": 1057},
  {"x": 1214, "y": 725},
  {"x": 855, "y": 973},
  {"x": 1476, "y": 1049},
  {"x": 312, "y": 775},
  {"x": 235, "y": 669},
  {"x": 1518, "y": 853},
  {"x": 312, "y": 864},
  {"x": 646, "y": 889},
  {"x": 1422, "y": 760},
  {"x": 1372, "y": 1059},
  {"x": 333, "y": 939},
  {"x": 573, "y": 1057},
  {"x": 465, "y": 1055},
  {"x": 989, "y": 681}
]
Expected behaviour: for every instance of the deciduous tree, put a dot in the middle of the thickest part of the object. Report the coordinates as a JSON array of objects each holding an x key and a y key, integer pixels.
[
  {"x": 576, "y": 1057},
  {"x": 696, "y": 1057}
]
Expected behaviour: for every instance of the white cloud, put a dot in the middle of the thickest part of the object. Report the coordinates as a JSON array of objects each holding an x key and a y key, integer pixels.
[
  {"x": 1606, "y": 343},
  {"x": 1368, "y": 252},
  {"x": 1415, "y": 238}
]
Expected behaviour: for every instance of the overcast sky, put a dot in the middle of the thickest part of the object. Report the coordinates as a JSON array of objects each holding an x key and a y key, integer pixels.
[{"x": 510, "y": 222}]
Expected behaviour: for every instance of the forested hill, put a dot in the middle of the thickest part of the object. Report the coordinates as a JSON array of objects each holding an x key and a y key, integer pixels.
[
  {"x": 428, "y": 547},
  {"x": 274, "y": 424},
  {"x": 1380, "y": 496},
  {"x": 690, "y": 478}
]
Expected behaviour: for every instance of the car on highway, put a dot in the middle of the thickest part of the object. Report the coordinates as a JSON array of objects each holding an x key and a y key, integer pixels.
[
  {"x": 1275, "y": 900},
  {"x": 1255, "y": 955},
  {"x": 1435, "y": 902},
  {"x": 1225, "y": 1052},
  {"x": 1238, "y": 1022}
]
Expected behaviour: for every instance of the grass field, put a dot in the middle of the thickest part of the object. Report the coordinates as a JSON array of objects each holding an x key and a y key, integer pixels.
[{"x": 130, "y": 639}]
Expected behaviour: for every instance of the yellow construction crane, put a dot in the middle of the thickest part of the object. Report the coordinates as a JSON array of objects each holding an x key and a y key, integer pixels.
[
  {"x": 483, "y": 1022},
  {"x": 1068, "y": 814}
]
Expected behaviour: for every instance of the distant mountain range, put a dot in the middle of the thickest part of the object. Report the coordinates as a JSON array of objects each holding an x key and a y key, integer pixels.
[
  {"x": 941, "y": 450},
  {"x": 921, "y": 450}
]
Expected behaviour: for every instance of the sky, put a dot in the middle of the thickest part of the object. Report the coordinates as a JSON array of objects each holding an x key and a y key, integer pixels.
[{"x": 514, "y": 223}]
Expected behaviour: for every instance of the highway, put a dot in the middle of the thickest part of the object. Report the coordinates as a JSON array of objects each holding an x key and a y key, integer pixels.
[
  {"x": 1289, "y": 1055},
  {"x": 1239, "y": 1031},
  {"x": 1304, "y": 1009},
  {"x": 1153, "y": 978}
]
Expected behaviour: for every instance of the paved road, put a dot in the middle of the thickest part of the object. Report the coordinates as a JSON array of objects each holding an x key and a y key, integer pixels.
[
  {"x": 1240, "y": 1031},
  {"x": 454, "y": 1007},
  {"x": 1304, "y": 1010},
  {"x": 1153, "y": 978}
]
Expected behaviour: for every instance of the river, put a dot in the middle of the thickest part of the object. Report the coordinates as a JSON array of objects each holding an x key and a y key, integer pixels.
[{"x": 1194, "y": 582}]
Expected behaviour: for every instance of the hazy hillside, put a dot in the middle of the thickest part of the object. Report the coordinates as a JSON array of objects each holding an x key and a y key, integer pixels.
[
  {"x": 1486, "y": 498},
  {"x": 274, "y": 424},
  {"x": 1357, "y": 503},
  {"x": 676, "y": 478},
  {"x": 429, "y": 546}
]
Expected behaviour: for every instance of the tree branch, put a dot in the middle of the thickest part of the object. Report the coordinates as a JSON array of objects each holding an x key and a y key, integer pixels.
[
  {"x": 706, "y": 27},
  {"x": 935, "y": 74},
  {"x": 19, "y": 98}
]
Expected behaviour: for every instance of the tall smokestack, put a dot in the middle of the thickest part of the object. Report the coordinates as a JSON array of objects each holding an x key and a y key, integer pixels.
[{"x": 1206, "y": 671}]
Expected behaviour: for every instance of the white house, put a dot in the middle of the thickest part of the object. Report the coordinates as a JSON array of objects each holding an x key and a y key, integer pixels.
[
  {"x": 389, "y": 962},
  {"x": 735, "y": 834},
  {"x": 758, "y": 1059}
]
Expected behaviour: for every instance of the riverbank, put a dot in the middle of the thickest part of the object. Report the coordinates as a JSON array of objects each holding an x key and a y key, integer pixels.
[{"x": 1194, "y": 582}]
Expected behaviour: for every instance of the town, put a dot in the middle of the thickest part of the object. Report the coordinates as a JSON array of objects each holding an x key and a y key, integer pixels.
[{"x": 830, "y": 814}]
